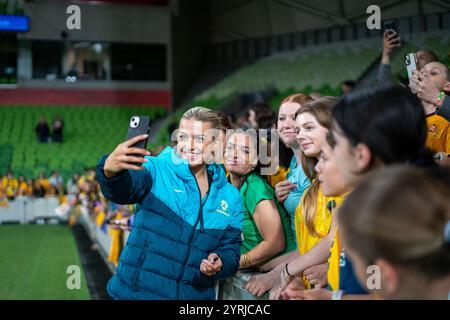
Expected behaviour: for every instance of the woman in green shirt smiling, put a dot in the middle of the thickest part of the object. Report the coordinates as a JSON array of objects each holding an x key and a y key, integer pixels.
[{"x": 266, "y": 230}]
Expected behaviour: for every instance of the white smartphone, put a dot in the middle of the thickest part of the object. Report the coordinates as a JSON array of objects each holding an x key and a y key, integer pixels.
[{"x": 411, "y": 63}]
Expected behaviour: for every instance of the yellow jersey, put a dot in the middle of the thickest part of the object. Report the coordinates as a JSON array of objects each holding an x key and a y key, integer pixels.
[
  {"x": 279, "y": 176},
  {"x": 23, "y": 188},
  {"x": 438, "y": 137},
  {"x": 10, "y": 186},
  {"x": 322, "y": 223},
  {"x": 334, "y": 262}
]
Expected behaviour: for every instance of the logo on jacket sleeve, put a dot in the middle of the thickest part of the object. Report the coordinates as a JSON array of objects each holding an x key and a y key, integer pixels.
[{"x": 224, "y": 208}]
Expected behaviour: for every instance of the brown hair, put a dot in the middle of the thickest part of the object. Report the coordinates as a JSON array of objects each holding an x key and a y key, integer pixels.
[
  {"x": 401, "y": 214},
  {"x": 264, "y": 115},
  {"x": 224, "y": 122},
  {"x": 320, "y": 109},
  {"x": 299, "y": 98}
]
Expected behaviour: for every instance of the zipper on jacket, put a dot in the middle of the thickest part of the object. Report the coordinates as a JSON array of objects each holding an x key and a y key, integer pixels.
[
  {"x": 199, "y": 218},
  {"x": 203, "y": 201}
]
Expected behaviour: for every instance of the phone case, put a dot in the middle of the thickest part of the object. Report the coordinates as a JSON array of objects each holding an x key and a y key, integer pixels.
[
  {"x": 139, "y": 125},
  {"x": 391, "y": 26},
  {"x": 411, "y": 63}
]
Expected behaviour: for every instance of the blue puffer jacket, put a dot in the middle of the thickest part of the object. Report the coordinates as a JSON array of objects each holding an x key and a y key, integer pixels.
[{"x": 173, "y": 229}]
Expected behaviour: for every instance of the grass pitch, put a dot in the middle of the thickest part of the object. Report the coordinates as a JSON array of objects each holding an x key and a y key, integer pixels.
[{"x": 34, "y": 260}]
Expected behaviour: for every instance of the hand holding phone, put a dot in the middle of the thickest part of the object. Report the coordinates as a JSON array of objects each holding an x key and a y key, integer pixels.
[
  {"x": 124, "y": 157},
  {"x": 391, "y": 40},
  {"x": 139, "y": 125},
  {"x": 390, "y": 27},
  {"x": 130, "y": 154},
  {"x": 411, "y": 63}
]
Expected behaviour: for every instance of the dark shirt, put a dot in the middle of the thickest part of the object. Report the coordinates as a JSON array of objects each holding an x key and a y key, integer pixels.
[{"x": 42, "y": 129}]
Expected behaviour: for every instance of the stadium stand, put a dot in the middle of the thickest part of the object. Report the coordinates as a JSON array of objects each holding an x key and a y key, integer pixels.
[
  {"x": 313, "y": 68},
  {"x": 320, "y": 68},
  {"x": 88, "y": 132},
  {"x": 317, "y": 67}
]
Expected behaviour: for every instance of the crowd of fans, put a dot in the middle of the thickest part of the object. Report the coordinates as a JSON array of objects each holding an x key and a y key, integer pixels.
[
  {"x": 12, "y": 187},
  {"x": 335, "y": 208},
  {"x": 79, "y": 193},
  {"x": 360, "y": 180},
  {"x": 386, "y": 126}
]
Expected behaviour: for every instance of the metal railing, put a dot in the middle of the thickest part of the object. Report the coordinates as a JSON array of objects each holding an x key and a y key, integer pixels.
[{"x": 27, "y": 210}]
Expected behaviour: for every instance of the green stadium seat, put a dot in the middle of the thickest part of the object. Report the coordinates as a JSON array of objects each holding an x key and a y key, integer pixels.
[{"x": 89, "y": 133}]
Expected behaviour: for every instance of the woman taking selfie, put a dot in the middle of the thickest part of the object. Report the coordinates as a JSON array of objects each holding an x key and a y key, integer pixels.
[{"x": 187, "y": 231}]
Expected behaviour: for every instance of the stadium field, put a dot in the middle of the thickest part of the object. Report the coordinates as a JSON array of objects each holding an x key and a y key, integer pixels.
[{"x": 34, "y": 261}]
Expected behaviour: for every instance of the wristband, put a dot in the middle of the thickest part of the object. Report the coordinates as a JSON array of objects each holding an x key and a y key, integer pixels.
[
  {"x": 439, "y": 98},
  {"x": 287, "y": 271},
  {"x": 246, "y": 262}
]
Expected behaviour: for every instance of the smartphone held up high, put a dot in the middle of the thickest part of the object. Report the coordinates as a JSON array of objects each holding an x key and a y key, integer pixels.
[
  {"x": 139, "y": 125},
  {"x": 391, "y": 27}
]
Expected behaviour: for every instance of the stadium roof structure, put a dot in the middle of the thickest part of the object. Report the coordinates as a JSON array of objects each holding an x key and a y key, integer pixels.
[{"x": 241, "y": 19}]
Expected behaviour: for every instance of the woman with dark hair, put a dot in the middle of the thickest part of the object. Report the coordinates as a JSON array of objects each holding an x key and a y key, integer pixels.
[
  {"x": 261, "y": 116},
  {"x": 280, "y": 158},
  {"x": 266, "y": 230},
  {"x": 224, "y": 126},
  {"x": 372, "y": 129},
  {"x": 379, "y": 127}
]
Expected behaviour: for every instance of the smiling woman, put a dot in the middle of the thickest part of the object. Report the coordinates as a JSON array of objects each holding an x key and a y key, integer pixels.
[
  {"x": 197, "y": 133},
  {"x": 314, "y": 121},
  {"x": 266, "y": 229},
  {"x": 313, "y": 216},
  {"x": 290, "y": 191},
  {"x": 187, "y": 232}
]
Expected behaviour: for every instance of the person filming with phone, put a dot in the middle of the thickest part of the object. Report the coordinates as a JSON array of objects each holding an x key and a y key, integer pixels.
[
  {"x": 391, "y": 41},
  {"x": 187, "y": 229}
]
